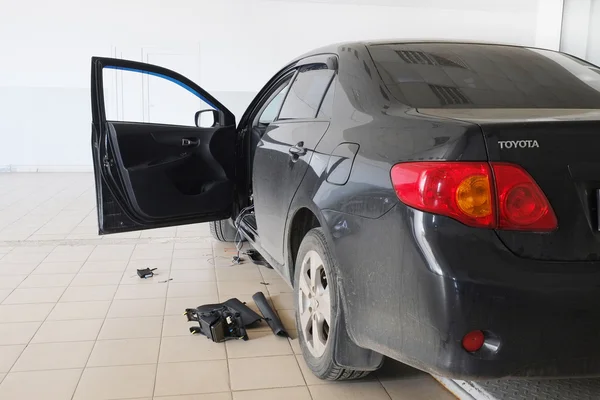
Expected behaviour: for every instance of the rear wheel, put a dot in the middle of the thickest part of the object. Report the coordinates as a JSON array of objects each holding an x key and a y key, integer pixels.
[
  {"x": 223, "y": 230},
  {"x": 316, "y": 297}
]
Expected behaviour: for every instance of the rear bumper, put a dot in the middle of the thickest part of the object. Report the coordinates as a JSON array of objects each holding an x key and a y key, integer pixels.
[{"x": 414, "y": 284}]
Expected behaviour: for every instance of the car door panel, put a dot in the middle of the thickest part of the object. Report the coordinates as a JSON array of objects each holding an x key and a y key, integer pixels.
[
  {"x": 150, "y": 175},
  {"x": 277, "y": 176}
]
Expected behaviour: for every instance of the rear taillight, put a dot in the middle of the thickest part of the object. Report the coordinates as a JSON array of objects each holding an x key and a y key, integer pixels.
[
  {"x": 521, "y": 203},
  {"x": 469, "y": 192}
]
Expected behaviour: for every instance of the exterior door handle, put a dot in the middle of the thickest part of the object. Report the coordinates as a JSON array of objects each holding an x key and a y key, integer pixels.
[{"x": 297, "y": 150}]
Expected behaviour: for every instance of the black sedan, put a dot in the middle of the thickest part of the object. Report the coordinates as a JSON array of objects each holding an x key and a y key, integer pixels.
[{"x": 432, "y": 202}]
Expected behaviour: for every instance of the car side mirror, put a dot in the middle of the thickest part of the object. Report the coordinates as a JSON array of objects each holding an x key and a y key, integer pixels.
[{"x": 209, "y": 118}]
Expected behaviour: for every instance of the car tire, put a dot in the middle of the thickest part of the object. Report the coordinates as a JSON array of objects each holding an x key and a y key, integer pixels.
[
  {"x": 223, "y": 230},
  {"x": 315, "y": 256}
]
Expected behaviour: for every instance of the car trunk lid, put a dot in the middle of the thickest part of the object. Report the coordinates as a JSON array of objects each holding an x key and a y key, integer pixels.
[{"x": 560, "y": 149}]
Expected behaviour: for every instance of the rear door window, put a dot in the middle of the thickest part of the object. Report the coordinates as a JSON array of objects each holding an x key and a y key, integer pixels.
[{"x": 306, "y": 93}]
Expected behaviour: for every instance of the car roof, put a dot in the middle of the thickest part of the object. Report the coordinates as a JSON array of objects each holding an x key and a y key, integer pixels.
[{"x": 333, "y": 48}]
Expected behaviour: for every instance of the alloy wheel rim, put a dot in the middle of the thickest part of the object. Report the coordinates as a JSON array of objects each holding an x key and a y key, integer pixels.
[{"x": 314, "y": 303}]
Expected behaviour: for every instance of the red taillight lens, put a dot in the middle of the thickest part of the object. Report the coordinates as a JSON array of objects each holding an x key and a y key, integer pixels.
[
  {"x": 521, "y": 203},
  {"x": 461, "y": 190},
  {"x": 466, "y": 192}
]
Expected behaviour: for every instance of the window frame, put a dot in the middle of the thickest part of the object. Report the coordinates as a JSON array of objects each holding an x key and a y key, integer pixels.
[
  {"x": 316, "y": 117},
  {"x": 268, "y": 97},
  {"x": 247, "y": 120}
]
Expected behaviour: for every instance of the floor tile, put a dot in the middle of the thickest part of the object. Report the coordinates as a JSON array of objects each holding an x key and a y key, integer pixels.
[
  {"x": 283, "y": 301},
  {"x": 68, "y": 331},
  {"x": 79, "y": 310},
  {"x": 288, "y": 318},
  {"x": 208, "y": 396},
  {"x": 125, "y": 292},
  {"x": 176, "y": 325},
  {"x": 70, "y": 267},
  {"x": 111, "y": 253},
  {"x": 178, "y": 305},
  {"x": 47, "y": 280},
  {"x": 47, "y": 385},
  {"x": 309, "y": 377},
  {"x": 117, "y": 382},
  {"x": 190, "y": 348},
  {"x": 76, "y": 253},
  {"x": 192, "y": 289},
  {"x": 275, "y": 288},
  {"x": 349, "y": 391},
  {"x": 33, "y": 249},
  {"x": 24, "y": 312},
  {"x": 193, "y": 275},
  {"x": 137, "y": 308},
  {"x": 4, "y": 294},
  {"x": 191, "y": 263},
  {"x": 130, "y": 328},
  {"x": 294, "y": 342},
  {"x": 264, "y": 373},
  {"x": 204, "y": 243},
  {"x": 45, "y": 356},
  {"x": 16, "y": 269},
  {"x": 104, "y": 266},
  {"x": 191, "y": 378},
  {"x": 260, "y": 344},
  {"x": 152, "y": 251},
  {"x": 32, "y": 257},
  {"x": 11, "y": 281},
  {"x": 268, "y": 273},
  {"x": 191, "y": 253},
  {"x": 158, "y": 233},
  {"x": 234, "y": 288},
  {"x": 97, "y": 278},
  {"x": 17, "y": 333},
  {"x": 239, "y": 273},
  {"x": 290, "y": 393},
  {"x": 8, "y": 356},
  {"x": 124, "y": 352},
  {"x": 34, "y": 295},
  {"x": 89, "y": 293},
  {"x": 419, "y": 386}
]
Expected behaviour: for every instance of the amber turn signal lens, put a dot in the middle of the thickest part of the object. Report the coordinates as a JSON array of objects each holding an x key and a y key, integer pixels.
[{"x": 474, "y": 196}]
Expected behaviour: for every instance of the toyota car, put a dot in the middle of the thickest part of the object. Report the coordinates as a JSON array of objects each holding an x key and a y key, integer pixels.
[{"x": 432, "y": 202}]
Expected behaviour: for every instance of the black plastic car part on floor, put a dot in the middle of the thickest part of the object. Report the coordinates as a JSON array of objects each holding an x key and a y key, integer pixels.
[{"x": 524, "y": 389}]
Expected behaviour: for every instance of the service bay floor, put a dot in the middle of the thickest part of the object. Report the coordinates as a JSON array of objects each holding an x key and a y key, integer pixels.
[{"x": 77, "y": 323}]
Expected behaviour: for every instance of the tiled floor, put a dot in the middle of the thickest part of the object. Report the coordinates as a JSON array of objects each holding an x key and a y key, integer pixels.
[{"x": 77, "y": 323}]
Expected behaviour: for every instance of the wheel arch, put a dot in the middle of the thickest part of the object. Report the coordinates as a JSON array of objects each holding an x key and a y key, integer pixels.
[
  {"x": 301, "y": 222},
  {"x": 347, "y": 353}
]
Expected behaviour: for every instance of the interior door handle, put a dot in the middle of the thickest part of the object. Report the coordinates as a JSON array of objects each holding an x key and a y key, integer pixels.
[
  {"x": 189, "y": 142},
  {"x": 297, "y": 150}
]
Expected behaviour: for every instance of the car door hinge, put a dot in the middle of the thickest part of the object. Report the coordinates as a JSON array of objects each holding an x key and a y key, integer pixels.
[{"x": 107, "y": 162}]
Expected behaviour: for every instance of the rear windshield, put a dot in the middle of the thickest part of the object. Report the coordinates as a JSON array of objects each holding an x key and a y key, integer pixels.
[{"x": 445, "y": 75}]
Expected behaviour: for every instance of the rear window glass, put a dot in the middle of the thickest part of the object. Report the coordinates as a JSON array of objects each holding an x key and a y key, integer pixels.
[
  {"x": 307, "y": 91},
  {"x": 444, "y": 75}
]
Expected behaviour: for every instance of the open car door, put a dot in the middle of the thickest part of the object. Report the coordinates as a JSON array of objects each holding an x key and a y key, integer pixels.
[{"x": 149, "y": 174}]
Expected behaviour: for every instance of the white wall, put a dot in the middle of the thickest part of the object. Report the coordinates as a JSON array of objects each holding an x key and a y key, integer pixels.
[
  {"x": 233, "y": 47},
  {"x": 581, "y": 29}
]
